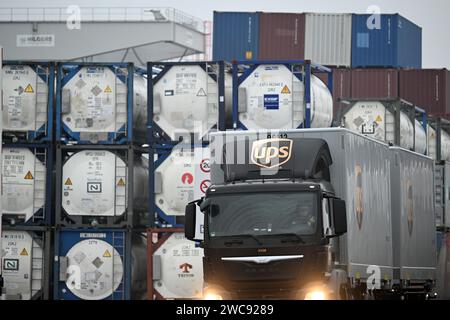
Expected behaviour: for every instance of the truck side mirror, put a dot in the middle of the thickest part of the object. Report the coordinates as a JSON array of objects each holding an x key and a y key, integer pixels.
[
  {"x": 339, "y": 216},
  {"x": 189, "y": 223}
]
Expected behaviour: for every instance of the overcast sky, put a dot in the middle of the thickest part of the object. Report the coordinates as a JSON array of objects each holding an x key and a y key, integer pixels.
[{"x": 431, "y": 15}]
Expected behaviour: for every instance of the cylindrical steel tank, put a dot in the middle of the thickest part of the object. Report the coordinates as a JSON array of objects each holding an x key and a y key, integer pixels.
[
  {"x": 272, "y": 97},
  {"x": 23, "y": 264},
  {"x": 25, "y": 97},
  {"x": 432, "y": 144},
  {"x": 101, "y": 267},
  {"x": 95, "y": 184},
  {"x": 186, "y": 99},
  {"x": 94, "y": 100},
  {"x": 179, "y": 178},
  {"x": 373, "y": 119},
  {"x": 420, "y": 138},
  {"x": 180, "y": 266},
  {"x": 23, "y": 183}
]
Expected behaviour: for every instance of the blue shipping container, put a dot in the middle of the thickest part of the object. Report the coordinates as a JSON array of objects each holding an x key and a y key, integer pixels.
[
  {"x": 394, "y": 42},
  {"x": 235, "y": 36},
  {"x": 97, "y": 259}
]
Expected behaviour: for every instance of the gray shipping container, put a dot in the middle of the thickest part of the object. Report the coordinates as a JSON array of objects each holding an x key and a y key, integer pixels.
[
  {"x": 361, "y": 175},
  {"x": 413, "y": 220},
  {"x": 328, "y": 38}
]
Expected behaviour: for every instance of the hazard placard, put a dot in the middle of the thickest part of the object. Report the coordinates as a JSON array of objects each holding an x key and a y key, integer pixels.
[
  {"x": 204, "y": 185},
  {"x": 68, "y": 182},
  {"x": 29, "y": 89},
  {"x": 108, "y": 89},
  {"x": 24, "y": 252},
  {"x": 201, "y": 93},
  {"x": 107, "y": 254},
  {"x": 187, "y": 178},
  {"x": 378, "y": 119},
  {"x": 285, "y": 90},
  {"x": 121, "y": 183},
  {"x": 28, "y": 176},
  {"x": 204, "y": 165}
]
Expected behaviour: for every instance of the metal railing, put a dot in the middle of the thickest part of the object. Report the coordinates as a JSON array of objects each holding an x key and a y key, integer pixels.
[{"x": 102, "y": 14}]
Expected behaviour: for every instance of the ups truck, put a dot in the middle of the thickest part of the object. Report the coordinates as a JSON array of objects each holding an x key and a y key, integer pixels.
[{"x": 315, "y": 214}]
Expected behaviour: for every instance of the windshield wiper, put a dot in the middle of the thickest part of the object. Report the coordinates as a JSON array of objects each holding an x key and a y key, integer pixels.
[
  {"x": 293, "y": 238},
  {"x": 231, "y": 242}
]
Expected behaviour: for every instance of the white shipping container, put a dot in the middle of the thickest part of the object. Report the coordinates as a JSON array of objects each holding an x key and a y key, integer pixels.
[
  {"x": 178, "y": 268},
  {"x": 94, "y": 103},
  {"x": 95, "y": 184},
  {"x": 272, "y": 97},
  {"x": 25, "y": 98},
  {"x": 23, "y": 183},
  {"x": 23, "y": 265},
  {"x": 186, "y": 100},
  {"x": 100, "y": 266},
  {"x": 328, "y": 38},
  {"x": 92, "y": 265},
  {"x": 373, "y": 119},
  {"x": 182, "y": 177}
]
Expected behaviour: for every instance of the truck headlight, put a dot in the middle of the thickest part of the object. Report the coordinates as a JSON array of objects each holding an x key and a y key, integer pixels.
[
  {"x": 316, "y": 295},
  {"x": 211, "y": 294}
]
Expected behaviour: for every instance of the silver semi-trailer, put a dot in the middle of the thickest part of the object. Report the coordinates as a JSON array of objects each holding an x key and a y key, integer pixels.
[{"x": 313, "y": 214}]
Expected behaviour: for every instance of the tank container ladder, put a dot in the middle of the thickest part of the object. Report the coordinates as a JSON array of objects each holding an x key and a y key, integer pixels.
[
  {"x": 439, "y": 194},
  {"x": 39, "y": 184},
  {"x": 42, "y": 101},
  {"x": 37, "y": 265},
  {"x": 298, "y": 107},
  {"x": 120, "y": 197},
  {"x": 212, "y": 93},
  {"x": 121, "y": 107},
  {"x": 118, "y": 244}
]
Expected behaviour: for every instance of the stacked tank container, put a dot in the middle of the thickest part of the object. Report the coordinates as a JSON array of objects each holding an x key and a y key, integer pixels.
[
  {"x": 187, "y": 101},
  {"x": 101, "y": 174},
  {"x": 27, "y": 164},
  {"x": 393, "y": 121},
  {"x": 281, "y": 95}
]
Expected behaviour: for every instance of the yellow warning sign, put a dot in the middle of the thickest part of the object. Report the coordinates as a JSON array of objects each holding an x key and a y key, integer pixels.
[
  {"x": 29, "y": 89},
  {"x": 121, "y": 183},
  {"x": 108, "y": 89},
  {"x": 68, "y": 182},
  {"x": 107, "y": 254},
  {"x": 285, "y": 90},
  {"x": 24, "y": 252},
  {"x": 378, "y": 119},
  {"x": 28, "y": 176},
  {"x": 248, "y": 55}
]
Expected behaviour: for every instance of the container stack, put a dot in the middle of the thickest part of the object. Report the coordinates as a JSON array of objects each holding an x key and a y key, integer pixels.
[
  {"x": 101, "y": 178},
  {"x": 27, "y": 156},
  {"x": 187, "y": 100}
]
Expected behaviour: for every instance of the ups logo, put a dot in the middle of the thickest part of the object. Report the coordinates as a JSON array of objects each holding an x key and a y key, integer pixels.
[{"x": 270, "y": 153}]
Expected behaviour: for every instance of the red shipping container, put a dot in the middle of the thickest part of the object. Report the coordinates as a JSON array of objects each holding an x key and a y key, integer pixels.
[
  {"x": 429, "y": 89},
  {"x": 374, "y": 83},
  {"x": 281, "y": 36}
]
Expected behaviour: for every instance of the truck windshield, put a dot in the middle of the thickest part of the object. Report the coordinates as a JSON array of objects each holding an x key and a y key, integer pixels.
[{"x": 263, "y": 214}]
